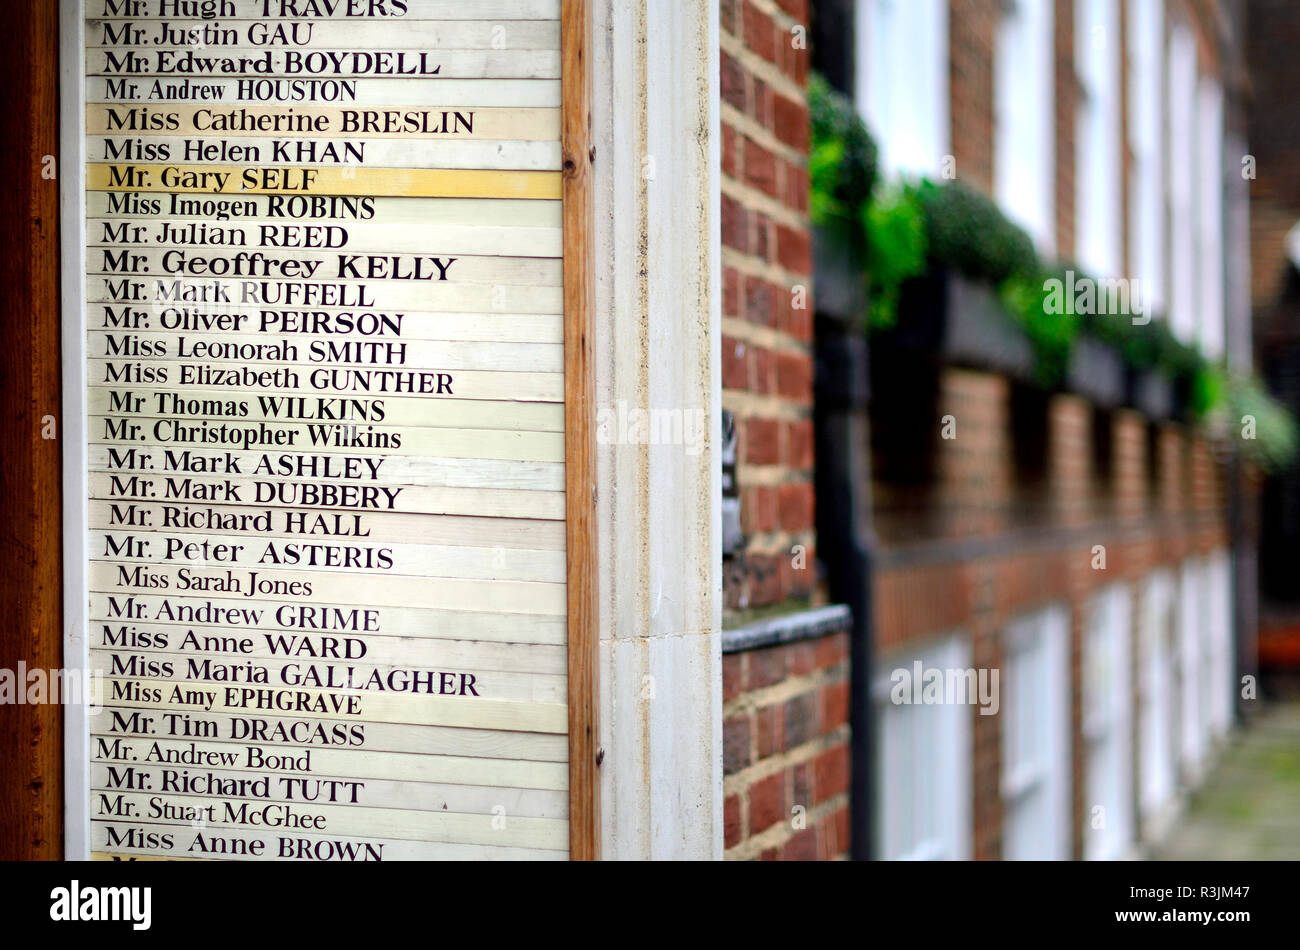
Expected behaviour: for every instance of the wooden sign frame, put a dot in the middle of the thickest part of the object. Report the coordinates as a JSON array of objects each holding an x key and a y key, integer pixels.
[{"x": 578, "y": 158}]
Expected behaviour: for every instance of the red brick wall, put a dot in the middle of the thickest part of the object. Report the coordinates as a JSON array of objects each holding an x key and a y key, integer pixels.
[
  {"x": 1273, "y": 36},
  {"x": 1067, "y": 101},
  {"x": 767, "y": 296},
  {"x": 971, "y": 43},
  {"x": 786, "y": 757}
]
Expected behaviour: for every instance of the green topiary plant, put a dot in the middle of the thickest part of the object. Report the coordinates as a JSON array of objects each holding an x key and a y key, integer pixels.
[
  {"x": 896, "y": 250},
  {"x": 1266, "y": 429},
  {"x": 969, "y": 233},
  {"x": 900, "y": 233},
  {"x": 842, "y": 167},
  {"x": 1138, "y": 344},
  {"x": 1207, "y": 390},
  {"x": 1051, "y": 332}
]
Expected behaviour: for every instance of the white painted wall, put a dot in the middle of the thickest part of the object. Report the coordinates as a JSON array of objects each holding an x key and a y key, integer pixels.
[{"x": 657, "y": 258}]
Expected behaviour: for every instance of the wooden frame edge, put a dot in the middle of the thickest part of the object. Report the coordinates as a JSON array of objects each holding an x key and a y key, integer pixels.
[
  {"x": 580, "y": 454},
  {"x": 76, "y": 491},
  {"x": 31, "y": 734}
]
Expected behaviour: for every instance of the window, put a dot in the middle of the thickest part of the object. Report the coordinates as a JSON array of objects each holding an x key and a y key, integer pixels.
[
  {"x": 1099, "y": 211},
  {"x": 1036, "y": 738},
  {"x": 1191, "y": 727},
  {"x": 1221, "y": 669},
  {"x": 1024, "y": 88},
  {"x": 903, "y": 82},
  {"x": 1181, "y": 154},
  {"x": 1146, "y": 145},
  {"x": 924, "y": 765},
  {"x": 1236, "y": 235},
  {"x": 1107, "y": 725},
  {"x": 833, "y": 42},
  {"x": 1158, "y": 710},
  {"x": 1209, "y": 216}
]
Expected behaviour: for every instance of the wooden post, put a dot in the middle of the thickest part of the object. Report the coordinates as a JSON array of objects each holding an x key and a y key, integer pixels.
[
  {"x": 580, "y": 454},
  {"x": 31, "y": 736}
]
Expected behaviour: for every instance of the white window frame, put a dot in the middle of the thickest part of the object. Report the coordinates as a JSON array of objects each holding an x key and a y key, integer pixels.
[
  {"x": 923, "y": 763},
  {"x": 1146, "y": 100},
  {"x": 1036, "y": 737},
  {"x": 1157, "y": 697},
  {"x": 1181, "y": 155},
  {"x": 1024, "y": 146},
  {"x": 76, "y": 491},
  {"x": 902, "y": 83},
  {"x": 1099, "y": 201},
  {"x": 1192, "y": 720},
  {"x": 1210, "y": 265},
  {"x": 1108, "y": 826},
  {"x": 1237, "y": 237},
  {"x": 1220, "y": 672}
]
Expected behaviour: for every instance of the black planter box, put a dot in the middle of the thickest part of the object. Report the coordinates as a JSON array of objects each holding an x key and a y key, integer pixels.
[
  {"x": 1182, "y": 408},
  {"x": 1151, "y": 393},
  {"x": 841, "y": 287},
  {"x": 1096, "y": 372},
  {"x": 962, "y": 322}
]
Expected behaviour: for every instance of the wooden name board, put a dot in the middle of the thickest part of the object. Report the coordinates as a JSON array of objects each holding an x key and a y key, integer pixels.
[{"x": 335, "y": 476}]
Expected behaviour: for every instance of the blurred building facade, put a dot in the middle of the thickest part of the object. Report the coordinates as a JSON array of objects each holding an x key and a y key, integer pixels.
[
  {"x": 1274, "y": 29},
  {"x": 1086, "y": 544}
]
